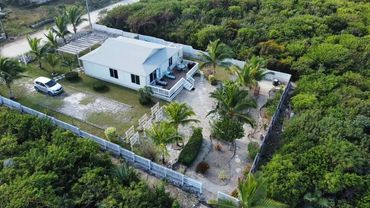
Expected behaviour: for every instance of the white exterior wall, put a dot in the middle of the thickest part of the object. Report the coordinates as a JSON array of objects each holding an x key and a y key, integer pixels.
[
  {"x": 102, "y": 72},
  {"x": 164, "y": 66}
]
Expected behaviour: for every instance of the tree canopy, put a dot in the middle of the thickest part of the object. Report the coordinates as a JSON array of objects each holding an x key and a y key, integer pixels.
[
  {"x": 325, "y": 45},
  {"x": 43, "y": 166}
]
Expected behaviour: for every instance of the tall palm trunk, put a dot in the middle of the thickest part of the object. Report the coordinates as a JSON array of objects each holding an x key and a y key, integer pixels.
[
  {"x": 75, "y": 29},
  {"x": 163, "y": 161},
  {"x": 39, "y": 61},
  {"x": 11, "y": 94},
  {"x": 214, "y": 68}
]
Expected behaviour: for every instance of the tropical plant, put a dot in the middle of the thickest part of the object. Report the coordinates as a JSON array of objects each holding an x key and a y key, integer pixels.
[
  {"x": 74, "y": 16},
  {"x": 60, "y": 28},
  {"x": 145, "y": 95},
  {"x": 227, "y": 129},
  {"x": 252, "y": 193},
  {"x": 162, "y": 134},
  {"x": 38, "y": 50},
  {"x": 69, "y": 62},
  {"x": 179, "y": 114},
  {"x": 111, "y": 133},
  {"x": 252, "y": 72},
  {"x": 125, "y": 174},
  {"x": 10, "y": 70},
  {"x": 216, "y": 53},
  {"x": 315, "y": 199},
  {"x": 232, "y": 102},
  {"x": 53, "y": 62},
  {"x": 52, "y": 40}
]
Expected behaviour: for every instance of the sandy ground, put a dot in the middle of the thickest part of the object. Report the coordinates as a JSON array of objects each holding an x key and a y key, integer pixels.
[{"x": 231, "y": 165}]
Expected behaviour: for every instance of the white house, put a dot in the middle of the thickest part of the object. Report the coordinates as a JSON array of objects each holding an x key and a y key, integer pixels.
[{"x": 134, "y": 64}]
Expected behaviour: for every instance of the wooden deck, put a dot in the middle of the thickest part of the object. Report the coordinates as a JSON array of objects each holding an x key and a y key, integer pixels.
[{"x": 178, "y": 74}]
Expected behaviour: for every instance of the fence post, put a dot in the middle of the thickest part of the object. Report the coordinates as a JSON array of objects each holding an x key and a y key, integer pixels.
[
  {"x": 105, "y": 145},
  {"x": 133, "y": 157},
  {"x": 182, "y": 179},
  {"x": 150, "y": 164}
]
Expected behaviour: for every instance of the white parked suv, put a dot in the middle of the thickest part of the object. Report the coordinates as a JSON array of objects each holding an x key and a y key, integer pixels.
[{"x": 46, "y": 85}]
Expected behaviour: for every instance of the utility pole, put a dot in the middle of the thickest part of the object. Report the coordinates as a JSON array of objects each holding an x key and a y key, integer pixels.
[{"x": 88, "y": 13}]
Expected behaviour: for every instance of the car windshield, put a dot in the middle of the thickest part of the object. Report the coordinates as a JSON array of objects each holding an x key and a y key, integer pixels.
[{"x": 51, "y": 83}]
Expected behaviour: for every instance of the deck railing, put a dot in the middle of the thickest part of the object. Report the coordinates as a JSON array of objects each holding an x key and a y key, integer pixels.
[
  {"x": 169, "y": 94},
  {"x": 191, "y": 72}
]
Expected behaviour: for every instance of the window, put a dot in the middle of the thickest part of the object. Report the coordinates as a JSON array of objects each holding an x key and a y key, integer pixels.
[
  {"x": 170, "y": 62},
  {"x": 113, "y": 73},
  {"x": 153, "y": 76},
  {"x": 135, "y": 79}
]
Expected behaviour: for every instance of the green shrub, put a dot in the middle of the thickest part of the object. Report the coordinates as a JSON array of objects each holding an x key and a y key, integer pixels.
[
  {"x": 99, "y": 86},
  {"x": 192, "y": 148},
  {"x": 72, "y": 76},
  {"x": 145, "y": 96},
  {"x": 111, "y": 134},
  {"x": 212, "y": 79},
  {"x": 253, "y": 148}
]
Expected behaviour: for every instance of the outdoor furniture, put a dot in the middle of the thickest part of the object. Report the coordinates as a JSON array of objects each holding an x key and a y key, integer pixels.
[
  {"x": 181, "y": 67},
  {"x": 170, "y": 76},
  {"x": 161, "y": 83}
]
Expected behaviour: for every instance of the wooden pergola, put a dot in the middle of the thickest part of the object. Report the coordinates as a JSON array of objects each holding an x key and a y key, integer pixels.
[{"x": 84, "y": 43}]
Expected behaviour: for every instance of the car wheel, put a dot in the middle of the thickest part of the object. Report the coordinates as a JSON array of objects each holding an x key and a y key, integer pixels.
[
  {"x": 49, "y": 93},
  {"x": 37, "y": 89}
]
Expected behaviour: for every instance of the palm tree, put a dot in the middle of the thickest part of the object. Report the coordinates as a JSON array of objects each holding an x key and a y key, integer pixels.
[
  {"x": 38, "y": 50},
  {"x": 216, "y": 53},
  {"x": 52, "y": 40},
  {"x": 179, "y": 114},
  {"x": 53, "y": 62},
  {"x": 69, "y": 62},
  {"x": 10, "y": 70},
  {"x": 74, "y": 17},
  {"x": 162, "y": 134},
  {"x": 252, "y": 193},
  {"x": 232, "y": 102},
  {"x": 60, "y": 28},
  {"x": 252, "y": 72}
]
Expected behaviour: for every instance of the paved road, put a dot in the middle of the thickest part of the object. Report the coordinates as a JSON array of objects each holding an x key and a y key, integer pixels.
[{"x": 20, "y": 46}]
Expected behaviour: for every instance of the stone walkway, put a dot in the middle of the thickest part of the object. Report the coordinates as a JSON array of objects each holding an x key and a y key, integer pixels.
[{"x": 232, "y": 165}]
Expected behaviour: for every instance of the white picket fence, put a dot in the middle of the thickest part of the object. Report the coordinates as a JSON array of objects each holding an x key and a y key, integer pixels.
[{"x": 153, "y": 168}]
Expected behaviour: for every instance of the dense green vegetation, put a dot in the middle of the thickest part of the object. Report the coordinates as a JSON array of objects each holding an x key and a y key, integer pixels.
[
  {"x": 42, "y": 166},
  {"x": 192, "y": 148},
  {"x": 324, "y": 159}
]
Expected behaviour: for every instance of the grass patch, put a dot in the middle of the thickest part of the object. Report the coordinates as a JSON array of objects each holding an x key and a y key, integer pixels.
[
  {"x": 87, "y": 100},
  {"x": 108, "y": 119},
  {"x": 50, "y": 104},
  {"x": 46, "y": 100}
]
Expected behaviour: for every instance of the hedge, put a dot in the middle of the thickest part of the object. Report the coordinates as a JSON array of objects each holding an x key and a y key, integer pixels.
[{"x": 192, "y": 148}]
